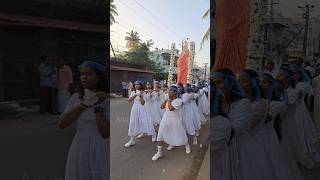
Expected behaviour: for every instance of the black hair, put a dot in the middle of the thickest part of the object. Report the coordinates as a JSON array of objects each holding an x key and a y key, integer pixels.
[
  {"x": 101, "y": 84},
  {"x": 255, "y": 75},
  {"x": 43, "y": 57},
  {"x": 135, "y": 90},
  {"x": 233, "y": 97}
]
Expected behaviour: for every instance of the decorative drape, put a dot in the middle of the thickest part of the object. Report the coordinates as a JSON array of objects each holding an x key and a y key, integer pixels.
[{"x": 232, "y": 32}]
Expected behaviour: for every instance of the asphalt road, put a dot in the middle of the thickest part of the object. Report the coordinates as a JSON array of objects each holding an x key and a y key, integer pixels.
[{"x": 135, "y": 162}]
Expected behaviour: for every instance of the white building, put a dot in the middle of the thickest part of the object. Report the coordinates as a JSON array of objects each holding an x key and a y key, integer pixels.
[{"x": 162, "y": 57}]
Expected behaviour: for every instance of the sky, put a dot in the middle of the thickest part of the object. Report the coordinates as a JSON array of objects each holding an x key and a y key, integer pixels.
[
  {"x": 289, "y": 7},
  {"x": 163, "y": 21}
]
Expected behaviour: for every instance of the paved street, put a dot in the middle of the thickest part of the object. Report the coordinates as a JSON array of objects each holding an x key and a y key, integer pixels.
[
  {"x": 135, "y": 163},
  {"x": 32, "y": 147}
]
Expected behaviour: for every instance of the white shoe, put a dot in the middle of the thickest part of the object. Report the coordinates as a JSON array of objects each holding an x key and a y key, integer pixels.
[
  {"x": 157, "y": 156},
  {"x": 197, "y": 134},
  {"x": 169, "y": 148},
  {"x": 188, "y": 151},
  {"x": 195, "y": 140},
  {"x": 154, "y": 138},
  {"x": 130, "y": 143},
  {"x": 140, "y": 136}
]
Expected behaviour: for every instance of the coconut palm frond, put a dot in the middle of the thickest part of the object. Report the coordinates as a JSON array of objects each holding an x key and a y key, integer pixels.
[
  {"x": 206, "y": 14},
  {"x": 205, "y": 37}
]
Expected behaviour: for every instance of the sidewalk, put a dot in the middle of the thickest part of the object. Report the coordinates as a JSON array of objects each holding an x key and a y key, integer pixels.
[{"x": 204, "y": 173}]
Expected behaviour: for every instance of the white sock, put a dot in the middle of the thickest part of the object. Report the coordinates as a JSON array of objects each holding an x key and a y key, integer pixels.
[
  {"x": 159, "y": 148},
  {"x": 132, "y": 139}
]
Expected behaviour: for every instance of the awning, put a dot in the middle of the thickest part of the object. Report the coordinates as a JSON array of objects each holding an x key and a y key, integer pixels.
[
  {"x": 25, "y": 20},
  {"x": 120, "y": 68}
]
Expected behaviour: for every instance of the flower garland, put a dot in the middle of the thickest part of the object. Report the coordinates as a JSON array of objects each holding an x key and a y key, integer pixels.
[
  {"x": 190, "y": 77},
  {"x": 171, "y": 65},
  {"x": 256, "y": 47}
]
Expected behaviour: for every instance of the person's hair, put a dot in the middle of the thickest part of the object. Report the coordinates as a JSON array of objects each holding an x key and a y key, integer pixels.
[
  {"x": 141, "y": 89},
  {"x": 101, "y": 84},
  {"x": 149, "y": 85},
  {"x": 233, "y": 97},
  {"x": 43, "y": 58},
  {"x": 255, "y": 75}
]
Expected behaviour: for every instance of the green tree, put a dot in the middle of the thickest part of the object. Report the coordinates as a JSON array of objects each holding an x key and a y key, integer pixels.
[
  {"x": 133, "y": 40},
  {"x": 113, "y": 12}
]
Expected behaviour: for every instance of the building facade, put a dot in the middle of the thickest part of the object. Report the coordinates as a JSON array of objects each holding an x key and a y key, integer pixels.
[
  {"x": 73, "y": 29},
  {"x": 162, "y": 57}
]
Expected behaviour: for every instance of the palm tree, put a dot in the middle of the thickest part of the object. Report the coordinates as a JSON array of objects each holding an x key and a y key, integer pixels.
[
  {"x": 132, "y": 39},
  {"x": 207, "y": 34},
  {"x": 113, "y": 12}
]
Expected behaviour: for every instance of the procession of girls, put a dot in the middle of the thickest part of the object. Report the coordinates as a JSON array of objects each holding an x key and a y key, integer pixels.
[
  {"x": 171, "y": 115},
  {"x": 261, "y": 128}
]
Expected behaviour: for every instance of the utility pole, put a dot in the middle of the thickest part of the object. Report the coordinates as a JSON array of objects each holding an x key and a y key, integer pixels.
[{"x": 306, "y": 16}]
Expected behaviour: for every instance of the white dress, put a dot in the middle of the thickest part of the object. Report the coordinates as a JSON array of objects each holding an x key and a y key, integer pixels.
[
  {"x": 260, "y": 152},
  {"x": 280, "y": 151},
  {"x": 220, "y": 136},
  {"x": 203, "y": 103},
  {"x": 157, "y": 103},
  {"x": 162, "y": 99},
  {"x": 152, "y": 110},
  {"x": 189, "y": 119},
  {"x": 89, "y": 152},
  {"x": 239, "y": 115},
  {"x": 306, "y": 126},
  {"x": 290, "y": 129},
  {"x": 316, "y": 106},
  {"x": 171, "y": 130},
  {"x": 199, "y": 115},
  {"x": 140, "y": 122}
]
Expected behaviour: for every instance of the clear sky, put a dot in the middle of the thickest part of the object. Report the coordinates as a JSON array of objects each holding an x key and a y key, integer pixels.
[{"x": 163, "y": 21}]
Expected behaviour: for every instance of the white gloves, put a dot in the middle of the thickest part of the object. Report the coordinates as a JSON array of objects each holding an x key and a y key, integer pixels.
[
  {"x": 166, "y": 97},
  {"x": 89, "y": 98},
  {"x": 138, "y": 93}
]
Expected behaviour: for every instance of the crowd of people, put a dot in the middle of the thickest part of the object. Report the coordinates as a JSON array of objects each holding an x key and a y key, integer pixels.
[
  {"x": 56, "y": 79},
  {"x": 264, "y": 125},
  {"x": 172, "y": 115}
]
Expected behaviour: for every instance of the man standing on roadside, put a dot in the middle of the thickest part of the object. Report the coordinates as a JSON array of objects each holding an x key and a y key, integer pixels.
[
  {"x": 65, "y": 79},
  {"x": 46, "y": 72}
]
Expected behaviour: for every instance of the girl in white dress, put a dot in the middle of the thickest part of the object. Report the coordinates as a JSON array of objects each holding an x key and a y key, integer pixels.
[
  {"x": 279, "y": 153},
  {"x": 290, "y": 123},
  {"x": 140, "y": 123},
  {"x": 171, "y": 130},
  {"x": 88, "y": 157},
  {"x": 158, "y": 101},
  {"x": 197, "y": 118},
  {"x": 152, "y": 98},
  {"x": 220, "y": 134},
  {"x": 189, "y": 119},
  {"x": 268, "y": 166},
  {"x": 307, "y": 128},
  {"x": 239, "y": 112},
  {"x": 203, "y": 102}
]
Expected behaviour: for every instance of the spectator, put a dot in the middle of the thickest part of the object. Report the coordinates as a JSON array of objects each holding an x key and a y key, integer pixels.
[
  {"x": 46, "y": 72},
  {"x": 124, "y": 89},
  {"x": 130, "y": 87},
  {"x": 54, "y": 89},
  {"x": 65, "y": 79}
]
